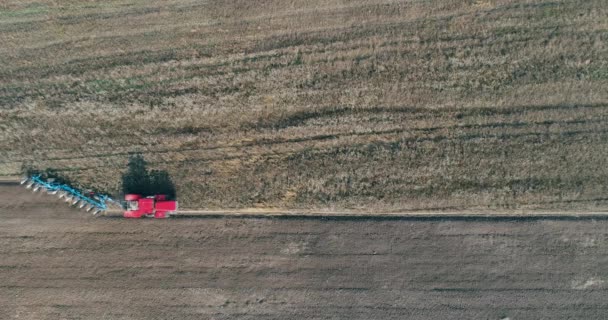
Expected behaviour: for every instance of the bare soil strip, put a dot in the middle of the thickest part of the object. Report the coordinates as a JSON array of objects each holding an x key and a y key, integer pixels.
[{"x": 58, "y": 262}]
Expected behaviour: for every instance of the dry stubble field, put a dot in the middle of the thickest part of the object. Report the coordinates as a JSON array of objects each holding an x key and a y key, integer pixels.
[
  {"x": 388, "y": 105},
  {"x": 60, "y": 263}
]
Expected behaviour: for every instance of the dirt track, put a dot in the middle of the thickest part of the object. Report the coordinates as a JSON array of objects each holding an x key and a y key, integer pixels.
[{"x": 57, "y": 263}]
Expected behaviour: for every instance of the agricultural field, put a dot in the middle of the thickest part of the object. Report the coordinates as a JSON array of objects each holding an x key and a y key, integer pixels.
[
  {"x": 60, "y": 263},
  {"x": 376, "y": 104}
]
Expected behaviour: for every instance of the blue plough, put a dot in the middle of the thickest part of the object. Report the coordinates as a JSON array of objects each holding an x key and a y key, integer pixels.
[{"x": 94, "y": 202}]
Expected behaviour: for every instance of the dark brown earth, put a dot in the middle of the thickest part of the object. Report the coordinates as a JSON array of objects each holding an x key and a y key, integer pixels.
[{"x": 59, "y": 263}]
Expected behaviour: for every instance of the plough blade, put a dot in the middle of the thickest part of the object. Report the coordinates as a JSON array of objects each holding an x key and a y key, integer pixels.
[{"x": 87, "y": 201}]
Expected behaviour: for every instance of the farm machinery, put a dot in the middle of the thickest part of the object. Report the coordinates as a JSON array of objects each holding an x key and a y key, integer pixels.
[
  {"x": 90, "y": 202},
  {"x": 156, "y": 206},
  {"x": 134, "y": 206}
]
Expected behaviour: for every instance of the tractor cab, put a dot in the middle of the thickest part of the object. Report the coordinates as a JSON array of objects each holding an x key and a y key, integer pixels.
[{"x": 132, "y": 202}]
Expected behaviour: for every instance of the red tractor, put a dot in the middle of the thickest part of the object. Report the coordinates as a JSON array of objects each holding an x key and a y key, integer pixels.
[{"x": 156, "y": 206}]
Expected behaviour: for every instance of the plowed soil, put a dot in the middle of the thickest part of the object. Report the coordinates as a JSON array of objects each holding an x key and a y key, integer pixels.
[{"x": 60, "y": 263}]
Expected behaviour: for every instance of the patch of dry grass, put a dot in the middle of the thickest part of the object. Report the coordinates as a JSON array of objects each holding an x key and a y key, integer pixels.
[{"x": 377, "y": 104}]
